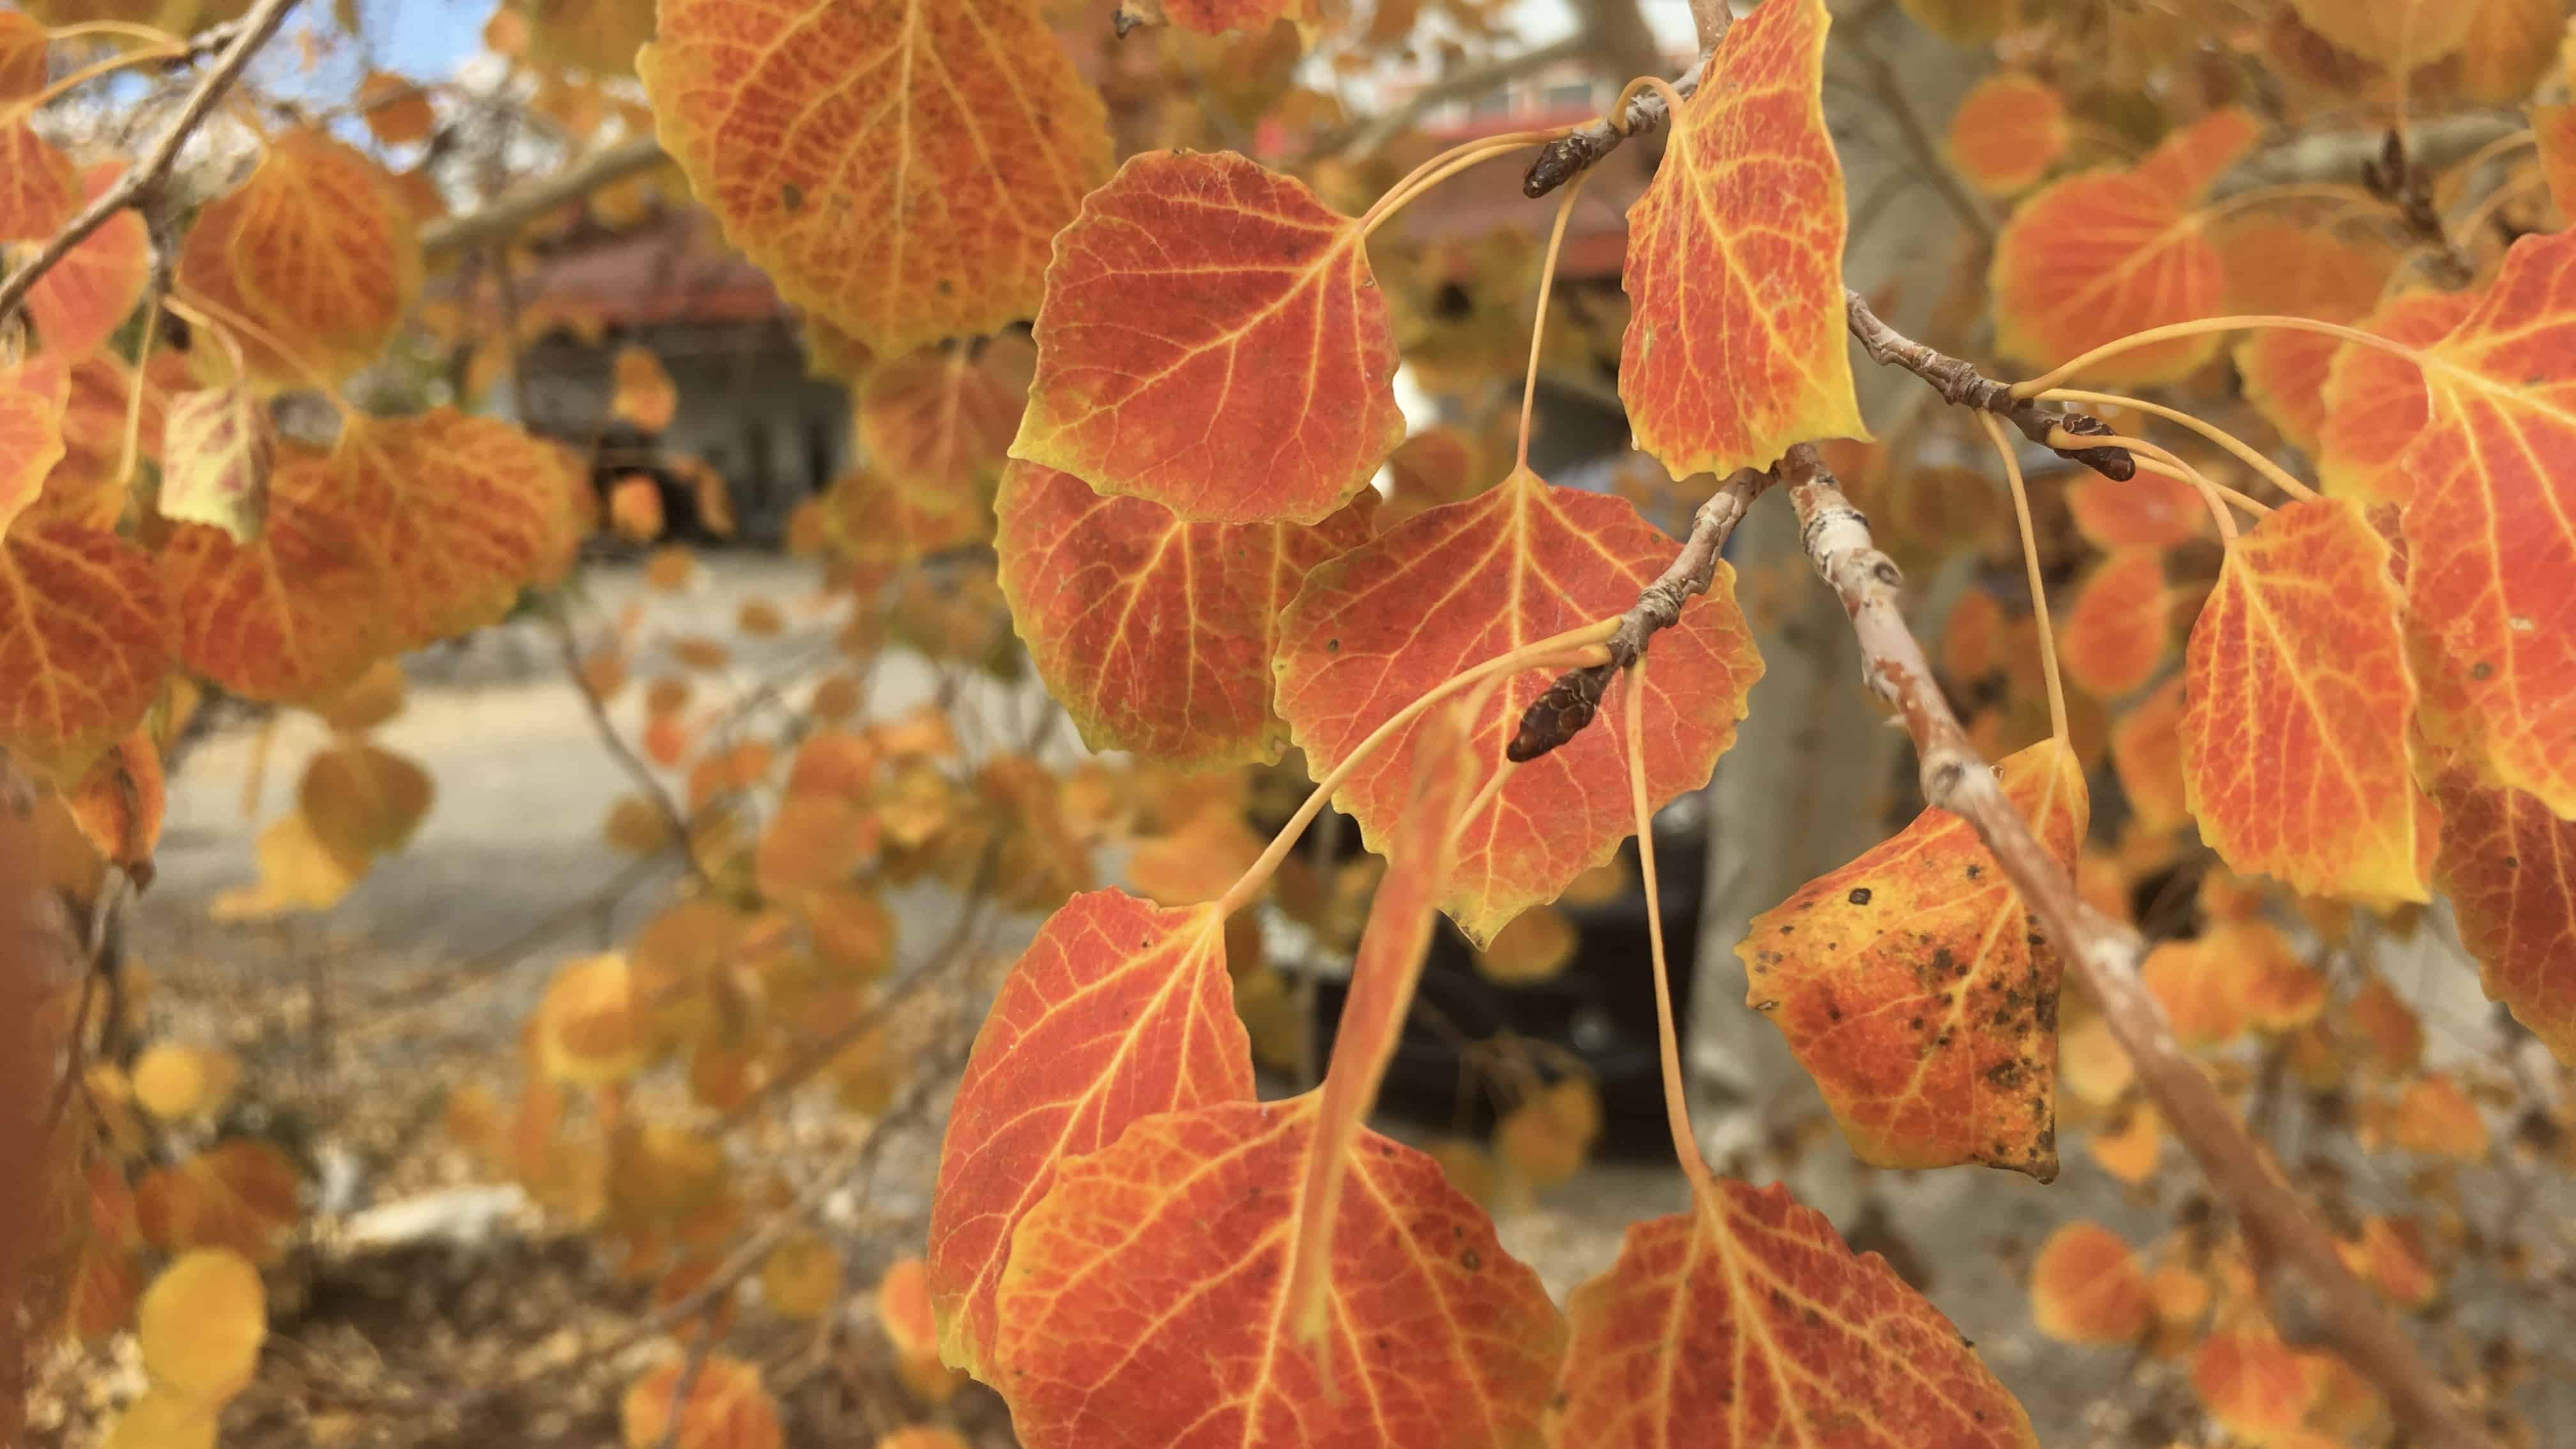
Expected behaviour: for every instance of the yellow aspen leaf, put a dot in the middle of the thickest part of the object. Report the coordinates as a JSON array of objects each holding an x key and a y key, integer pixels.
[
  {"x": 760, "y": 619},
  {"x": 916, "y": 804},
  {"x": 176, "y": 1082},
  {"x": 298, "y": 871},
  {"x": 643, "y": 391},
  {"x": 635, "y": 508},
  {"x": 2435, "y": 1117},
  {"x": 2389, "y": 1254},
  {"x": 1973, "y": 23},
  {"x": 697, "y": 651},
  {"x": 636, "y": 826},
  {"x": 1918, "y": 991},
  {"x": 1735, "y": 346},
  {"x": 2507, "y": 50},
  {"x": 361, "y": 801},
  {"x": 2251, "y": 1382},
  {"x": 2008, "y": 131},
  {"x": 896, "y": 166},
  {"x": 801, "y": 1277},
  {"x": 201, "y": 1325},
  {"x": 2180, "y": 1292},
  {"x": 727, "y": 1407},
  {"x": 2091, "y": 1063},
  {"x": 86, "y": 638},
  {"x": 474, "y": 510},
  {"x": 1537, "y": 946},
  {"x": 2086, "y": 1286},
  {"x": 2294, "y": 750},
  {"x": 1748, "y": 1321},
  {"x": 1545, "y": 1140},
  {"x": 2130, "y": 1151},
  {"x": 375, "y": 696},
  {"x": 1175, "y": 301},
  {"x": 217, "y": 447},
  {"x": 2201, "y": 989},
  {"x": 316, "y": 252},
  {"x": 2398, "y": 34},
  {"x": 589, "y": 1027},
  {"x": 239, "y": 1195}
]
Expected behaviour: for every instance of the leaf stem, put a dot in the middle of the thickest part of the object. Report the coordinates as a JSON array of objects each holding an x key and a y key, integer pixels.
[
  {"x": 1667, "y": 1037},
  {"x": 2255, "y": 506},
  {"x": 1443, "y": 166},
  {"x": 2273, "y": 473},
  {"x": 2169, "y": 332},
  {"x": 2030, "y": 570},
  {"x": 1538, "y": 324},
  {"x": 91, "y": 72},
  {"x": 2209, "y": 492},
  {"x": 1577, "y": 646}
]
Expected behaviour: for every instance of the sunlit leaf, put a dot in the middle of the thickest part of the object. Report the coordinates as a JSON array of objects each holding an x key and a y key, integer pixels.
[
  {"x": 1735, "y": 345},
  {"x": 165, "y": 1419},
  {"x": 1213, "y": 341},
  {"x": 897, "y": 167},
  {"x": 33, "y": 394},
  {"x": 589, "y": 1028},
  {"x": 86, "y": 637},
  {"x": 202, "y": 1323},
  {"x": 1118, "y": 1009},
  {"x": 941, "y": 420},
  {"x": 217, "y": 448},
  {"x": 2491, "y": 528},
  {"x": 300, "y": 614},
  {"x": 238, "y": 1195},
  {"x": 1144, "y": 1301},
  {"x": 175, "y": 1081},
  {"x": 1747, "y": 1322},
  {"x": 2101, "y": 255},
  {"x": 2008, "y": 131},
  {"x": 80, "y": 303},
  {"x": 2376, "y": 404},
  {"x": 2294, "y": 737},
  {"x": 2120, "y": 625},
  {"x": 1917, "y": 990},
  {"x": 1454, "y": 586},
  {"x": 726, "y": 1407},
  {"x": 2509, "y": 866},
  {"x": 2086, "y": 1287},
  {"x": 474, "y": 508},
  {"x": 315, "y": 252},
  {"x": 1157, "y": 635}
]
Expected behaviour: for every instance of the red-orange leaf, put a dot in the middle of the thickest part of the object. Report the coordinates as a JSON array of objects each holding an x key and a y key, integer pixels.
[
  {"x": 1157, "y": 635},
  {"x": 1145, "y": 1303},
  {"x": 120, "y": 800},
  {"x": 298, "y": 614},
  {"x": 1919, "y": 993},
  {"x": 875, "y": 520},
  {"x": 88, "y": 294},
  {"x": 1213, "y": 341},
  {"x": 2251, "y": 1382},
  {"x": 1735, "y": 347},
  {"x": 39, "y": 189},
  {"x": 2555, "y": 129},
  {"x": 1118, "y": 1009},
  {"x": 315, "y": 253},
  {"x": 1747, "y": 1323},
  {"x": 2306, "y": 271},
  {"x": 2491, "y": 527},
  {"x": 2375, "y": 403},
  {"x": 2294, "y": 736},
  {"x": 941, "y": 420},
  {"x": 217, "y": 445},
  {"x": 2399, "y": 34},
  {"x": 2097, "y": 257},
  {"x": 2185, "y": 163},
  {"x": 2086, "y": 1287},
  {"x": 2146, "y": 753},
  {"x": 33, "y": 394},
  {"x": 1454, "y": 586},
  {"x": 475, "y": 510},
  {"x": 2117, "y": 632},
  {"x": 2509, "y": 867},
  {"x": 896, "y": 166},
  {"x": 86, "y": 635},
  {"x": 2009, "y": 129}
]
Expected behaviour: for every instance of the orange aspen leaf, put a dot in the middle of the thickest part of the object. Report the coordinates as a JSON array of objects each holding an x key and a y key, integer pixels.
[
  {"x": 897, "y": 167},
  {"x": 874, "y": 520},
  {"x": 1917, "y": 990},
  {"x": 2388, "y": 1026},
  {"x": 2491, "y": 527},
  {"x": 1734, "y": 347},
  {"x": 1118, "y": 1009},
  {"x": 300, "y": 614},
  {"x": 1747, "y": 1322},
  {"x": 2509, "y": 47},
  {"x": 176, "y": 1082},
  {"x": 396, "y": 109},
  {"x": 1157, "y": 635},
  {"x": 2389, "y": 1253},
  {"x": 643, "y": 391},
  {"x": 2436, "y": 1117},
  {"x": 2117, "y": 632},
  {"x": 1146, "y": 1300},
  {"x": 941, "y": 420},
  {"x": 40, "y": 189},
  {"x": 33, "y": 396},
  {"x": 474, "y": 508},
  {"x": 2303, "y": 270},
  {"x": 589, "y": 1028},
  {"x": 2087, "y": 1286},
  {"x": 2092, "y": 1064},
  {"x": 2008, "y": 130},
  {"x": 1175, "y": 301},
  {"x": 2185, "y": 163},
  {"x": 2555, "y": 129},
  {"x": 2282, "y": 992},
  {"x": 79, "y": 304},
  {"x": 2509, "y": 866},
  {"x": 1972, "y": 23},
  {"x": 239, "y": 1195},
  {"x": 86, "y": 638},
  {"x": 2251, "y": 1382},
  {"x": 904, "y": 1311},
  {"x": 1545, "y": 1139},
  {"x": 2146, "y": 754},
  {"x": 218, "y": 447},
  {"x": 363, "y": 801},
  {"x": 316, "y": 251},
  {"x": 2131, "y": 1151},
  {"x": 2294, "y": 731},
  {"x": 2200, "y": 989},
  {"x": 923, "y": 1436},
  {"x": 2399, "y": 34},
  {"x": 635, "y": 508},
  {"x": 2376, "y": 404},
  {"x": 120, "y": 800},
  {"x": 726, "y": 1407},
  {"x": 1454, "y": 586},
  {"x": 1537, "y": 946},
  {"x": 23, "y": 55},
  {"x": 1385, "y": 969}
]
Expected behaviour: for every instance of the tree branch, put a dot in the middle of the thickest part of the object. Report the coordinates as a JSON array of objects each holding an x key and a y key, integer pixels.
[
  {"x": 1363, "y": 137},
  {"x": 1961, "y": 385},
  {"x": 1570, "y": 703},
  {"x": 140, "y": 187},
  {"x": 2314, "y": 1297},
  {"x": 1560, "y": 160},
  {"x": 600, "y": 168}
]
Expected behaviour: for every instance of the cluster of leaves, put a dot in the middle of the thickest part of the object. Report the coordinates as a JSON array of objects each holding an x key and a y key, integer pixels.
[{"x": 1164, "y": 486}]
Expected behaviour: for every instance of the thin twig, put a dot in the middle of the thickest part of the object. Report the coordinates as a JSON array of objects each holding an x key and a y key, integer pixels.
[
  {"x": 1361, "y": 138},
  {"x": 1560, "y": 160},
  {"x": 669, "y": 809},
  {"x": 2313, "y": 1296},
  {"x": 140, "y": 187},
  {"x": 1961, "y": 385},
  {"x": 1570, "y": 703},
  {"x": 518, "y": 208}
]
